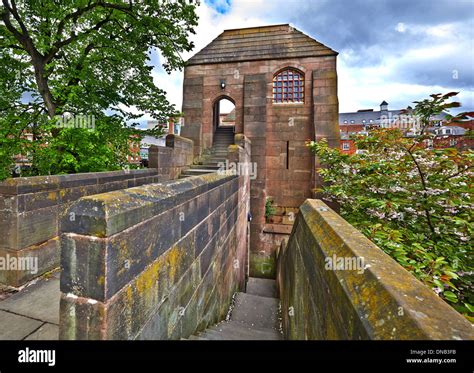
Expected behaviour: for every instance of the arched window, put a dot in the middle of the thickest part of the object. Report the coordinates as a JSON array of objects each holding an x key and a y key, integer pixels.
[{"x": 288, "y": 86}]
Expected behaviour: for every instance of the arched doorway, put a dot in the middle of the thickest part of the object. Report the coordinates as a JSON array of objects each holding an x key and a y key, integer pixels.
[{"x": 223, "y": 113}]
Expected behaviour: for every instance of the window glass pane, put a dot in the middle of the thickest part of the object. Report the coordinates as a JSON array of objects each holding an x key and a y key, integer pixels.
[{"x": 288, "y": 86}]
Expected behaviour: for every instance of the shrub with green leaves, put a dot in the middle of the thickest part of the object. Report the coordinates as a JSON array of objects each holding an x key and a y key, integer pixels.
[
  {"x": 414, "y": 203},
  {"x": 269, "y": 207}
]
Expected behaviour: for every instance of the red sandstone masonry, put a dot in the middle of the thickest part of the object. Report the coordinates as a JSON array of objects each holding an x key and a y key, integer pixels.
[
  {"x": 132, "y": 269},
  {"x": 267, "y": 126},
  {"x": 381, "y": 301},
  {"x": 31, "y": 209}
]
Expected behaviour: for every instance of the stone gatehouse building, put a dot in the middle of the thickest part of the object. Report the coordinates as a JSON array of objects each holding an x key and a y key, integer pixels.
[{"x": 283, "y": 84}]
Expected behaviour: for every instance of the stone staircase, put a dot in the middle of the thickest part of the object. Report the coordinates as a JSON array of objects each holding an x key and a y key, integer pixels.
[
  {"x": 223, "y": 137},
  {"x": 253, "y": 316}
]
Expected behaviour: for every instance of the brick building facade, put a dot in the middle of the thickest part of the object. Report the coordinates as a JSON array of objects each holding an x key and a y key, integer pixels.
[
  {"x": 444, "y": 134},
  {"x": 284, "y": 87}
]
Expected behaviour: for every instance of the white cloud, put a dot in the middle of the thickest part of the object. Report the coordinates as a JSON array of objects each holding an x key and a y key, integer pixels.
[{"x": 367, "y": 74}]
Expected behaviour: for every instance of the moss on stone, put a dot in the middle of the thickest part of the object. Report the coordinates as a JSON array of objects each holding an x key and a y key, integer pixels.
[{"x": 262, "y": 266}]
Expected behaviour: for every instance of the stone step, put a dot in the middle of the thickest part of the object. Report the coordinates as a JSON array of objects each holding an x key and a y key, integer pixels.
[
  {"x": 232, "y": 331},
  {"x": 254, "y": 315},
  {"x": 255, "y": 311},
  {"x": 196, "y": 171},
  {"x": 217, "y": 159},
  {"x": 219, "y": 150},
  {"x": 222, "y": 144},
  {"x": 261, "y": 287},
  {"x": 206, "y": 166}
]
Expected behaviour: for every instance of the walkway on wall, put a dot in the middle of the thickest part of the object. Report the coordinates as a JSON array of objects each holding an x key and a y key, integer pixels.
[
  {"x": 33, "y": 312},
  {"x": 253, "y": 316}
]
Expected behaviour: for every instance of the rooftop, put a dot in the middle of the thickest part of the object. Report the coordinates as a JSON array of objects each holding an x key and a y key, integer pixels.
[
  {"x": 368, "y": 116},
  {"x": 260, "y": 43}
]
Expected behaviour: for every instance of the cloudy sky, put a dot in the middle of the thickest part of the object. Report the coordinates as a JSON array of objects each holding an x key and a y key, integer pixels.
[{"x": 393, "y": 50}]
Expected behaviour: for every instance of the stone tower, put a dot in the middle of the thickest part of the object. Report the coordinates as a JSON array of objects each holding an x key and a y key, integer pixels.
[{"x": 283, "y": 84}]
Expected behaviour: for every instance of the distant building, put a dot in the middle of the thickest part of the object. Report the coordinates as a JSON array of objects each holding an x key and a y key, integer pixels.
[
  {"x": 385, "y": 118},
  {"x": 172, "y": 127},
  {"x": 360, "y": 122},
  {"x": 450, "y": 136}
]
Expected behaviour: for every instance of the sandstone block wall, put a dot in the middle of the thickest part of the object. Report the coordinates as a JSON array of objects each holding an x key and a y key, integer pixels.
[
  {"x": 30, "y": 211},
  {"x": 171, "y": 160},
  {"x": 160, "y": 261},
  {"x": 383, "y": 301}
]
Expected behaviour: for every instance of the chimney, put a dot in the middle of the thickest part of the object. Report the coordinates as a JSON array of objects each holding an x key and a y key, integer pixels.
[{"x": 384, "y": 119}]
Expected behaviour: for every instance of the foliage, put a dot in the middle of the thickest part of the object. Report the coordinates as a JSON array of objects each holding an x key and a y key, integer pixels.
[
  {"x": 84, "y": 57},
  {"x": 269, "y": 208},
  {"x": 414, "y": 203}
]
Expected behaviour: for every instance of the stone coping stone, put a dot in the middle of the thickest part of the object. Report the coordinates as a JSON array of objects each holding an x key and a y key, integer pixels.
[
  {"x": 24, "y": 185},
  {"x": 172, "y": 139},
  {"x": 383, "y": 288},
  {"x": 103, "y": 215}
]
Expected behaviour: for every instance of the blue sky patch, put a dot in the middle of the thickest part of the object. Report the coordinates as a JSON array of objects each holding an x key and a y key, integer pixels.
[{"x": 221, "y": 6}]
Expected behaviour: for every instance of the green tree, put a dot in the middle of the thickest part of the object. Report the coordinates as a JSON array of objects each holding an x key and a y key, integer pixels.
[
  {"x": 414, "y": 203},
  {"x": 89, "y": 58}
]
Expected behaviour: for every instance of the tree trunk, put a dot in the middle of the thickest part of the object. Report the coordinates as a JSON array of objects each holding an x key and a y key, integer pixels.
[{"x": 43, "y": 86}]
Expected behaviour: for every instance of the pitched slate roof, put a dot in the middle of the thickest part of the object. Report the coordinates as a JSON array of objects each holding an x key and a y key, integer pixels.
[{"x": 260, "y": 43}]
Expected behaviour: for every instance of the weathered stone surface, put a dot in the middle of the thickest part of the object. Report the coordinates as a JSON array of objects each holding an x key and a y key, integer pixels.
[
  {"x": 379, "y": 300},
  {"x": 32, "y": 208},
  {"x": 278, "y": 131},
  {"x": 19, "y": 326},
  {"x": 39, "y": 301},
  {"x": 162, "y": 273},
  {"x": 47, "y": 332},
  {"x": 104, "y": 215},
  {"x": 174, "y": 158},
  {"x": 80, "y": 318},
  {"x": 45, "y": 256}
]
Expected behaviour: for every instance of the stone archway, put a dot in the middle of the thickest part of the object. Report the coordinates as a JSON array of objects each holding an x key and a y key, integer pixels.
[{"x": 223, "y": 112}]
